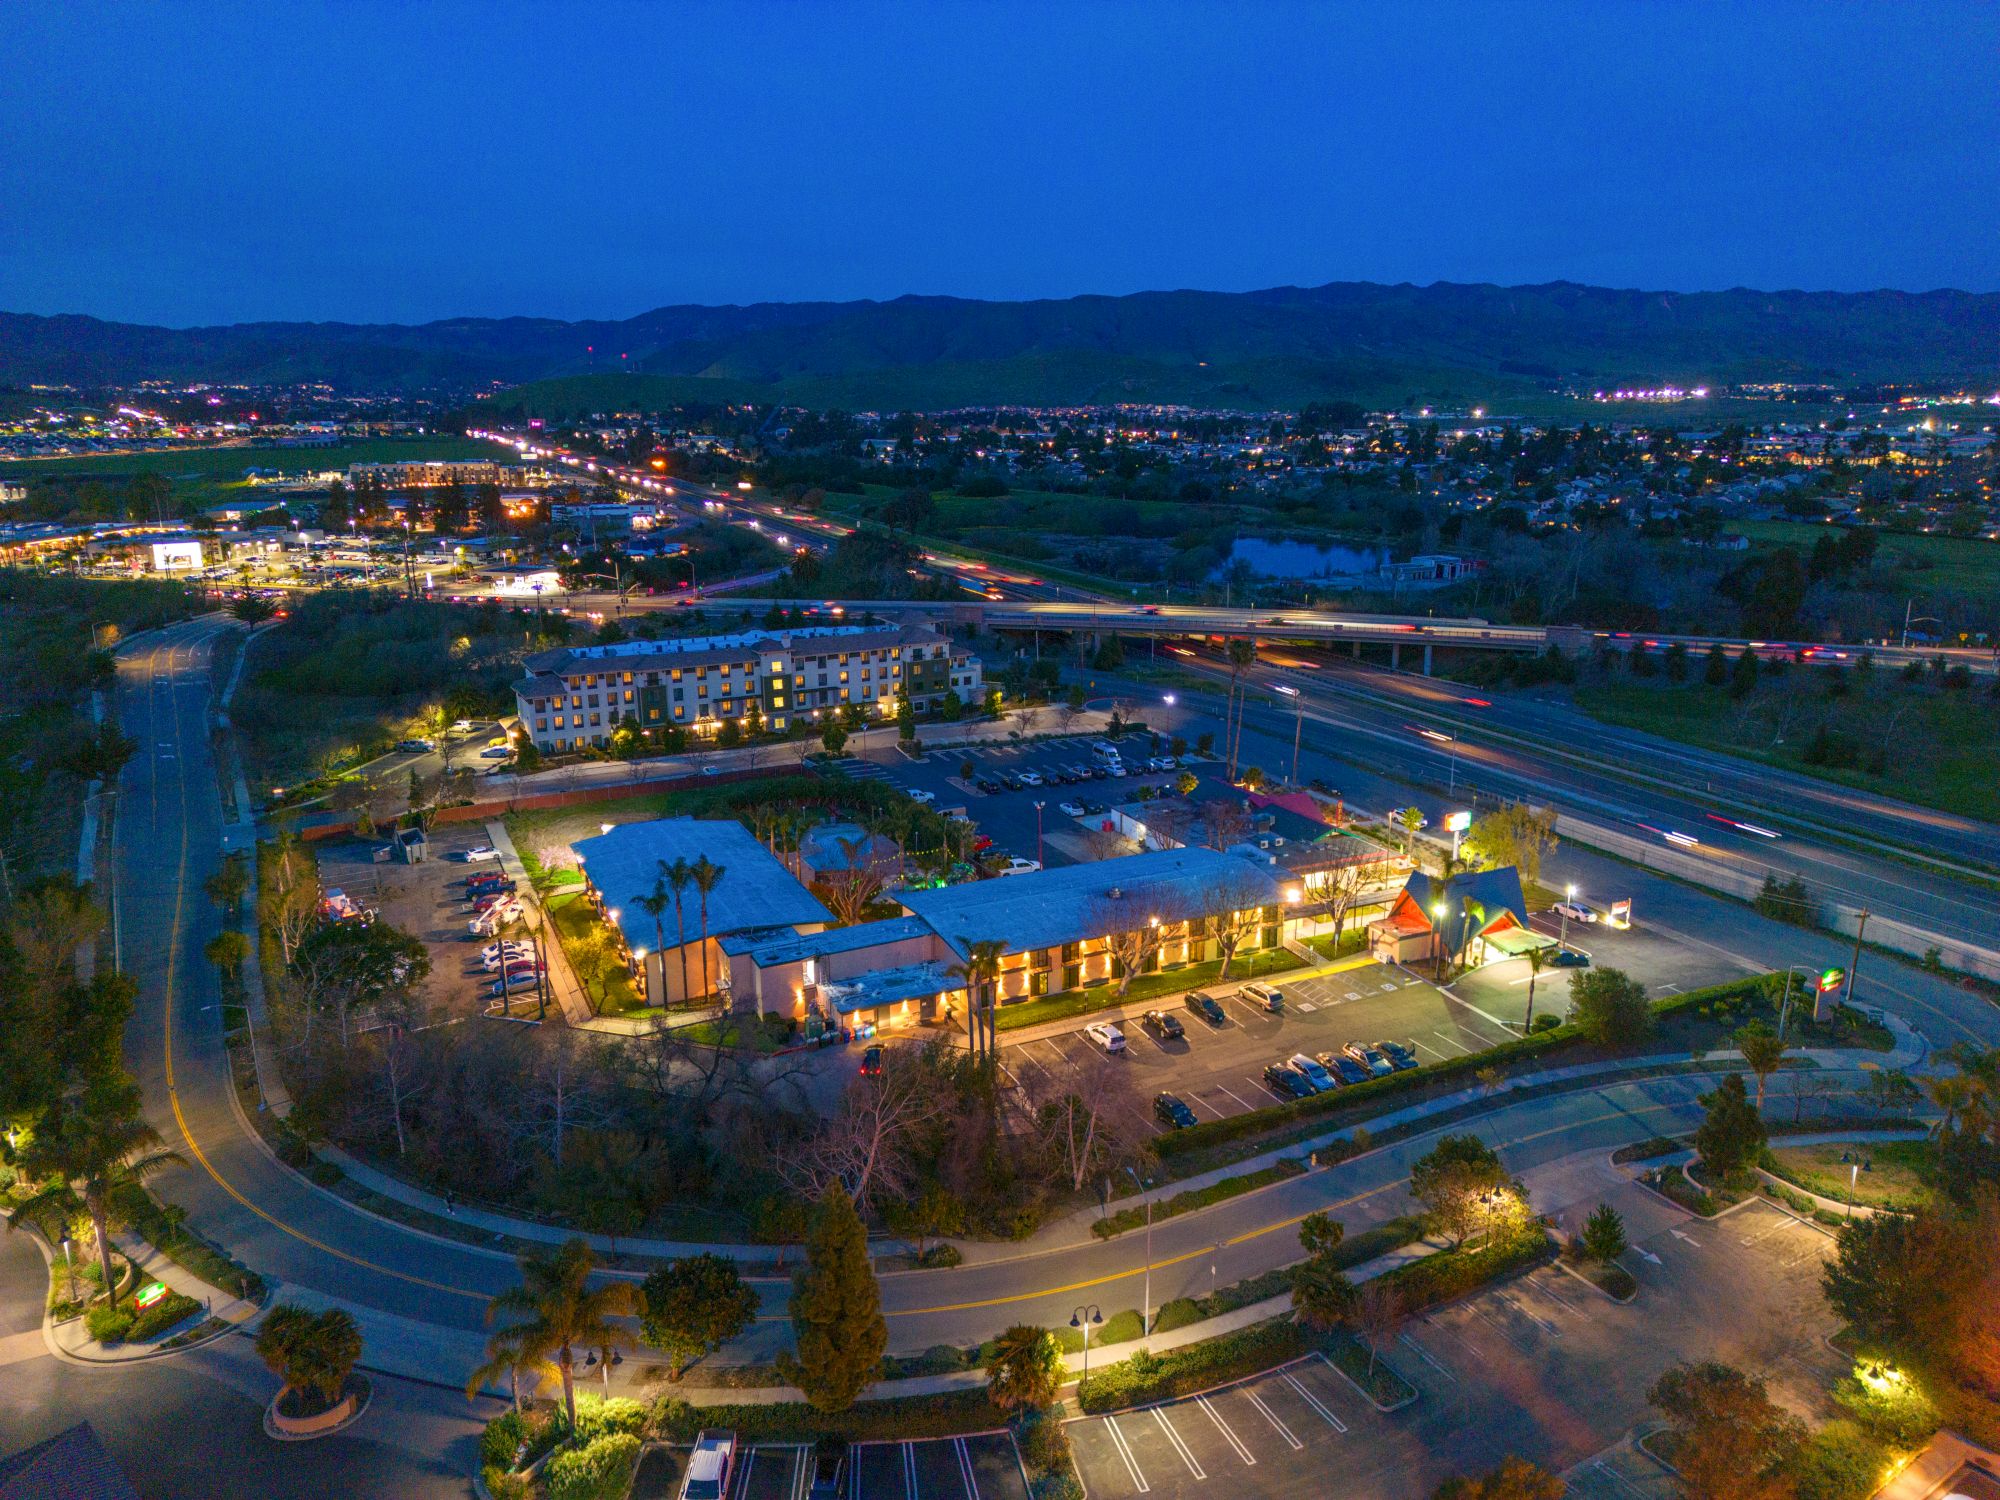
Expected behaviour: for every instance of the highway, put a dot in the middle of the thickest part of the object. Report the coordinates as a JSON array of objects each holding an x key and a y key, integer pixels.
[{"x": 403, "y": 1282}]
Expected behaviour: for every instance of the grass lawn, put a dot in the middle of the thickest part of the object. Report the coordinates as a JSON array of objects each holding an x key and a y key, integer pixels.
[
  {"x": 1351, "y": 941},
  {"x": 1082, "y": 1002},
  {"x": 573, "y": 917},
  {"x": 1896, "y": 1177},
  {"x": 225, "y": 466},
  {"x": 1939, "y": 752},
  {"x": 1968, "y": 565}
]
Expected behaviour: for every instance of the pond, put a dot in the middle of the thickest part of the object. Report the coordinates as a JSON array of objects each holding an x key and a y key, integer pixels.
[{"x": 1296, "y": 559}]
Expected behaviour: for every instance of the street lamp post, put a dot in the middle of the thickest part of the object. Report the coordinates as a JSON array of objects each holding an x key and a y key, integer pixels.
[
  {"x": 1569, "y": 900},
  {"x": 1038, "y": 831},
  {"x": 1785, "y": 1010},
  {"x": 1086, "y": 1317},
  {"x": 1438, "y": 911},
  {"x": 1146, "y": 1307},
  {"x": 1298, "y": 733}
]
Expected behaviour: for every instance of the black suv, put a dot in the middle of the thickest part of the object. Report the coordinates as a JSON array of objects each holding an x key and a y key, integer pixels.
[
  {"x": 1288, "y": 1081},
  {"x": 1207, "y": 1007},
  {"x": 1173, "y": 1112}
]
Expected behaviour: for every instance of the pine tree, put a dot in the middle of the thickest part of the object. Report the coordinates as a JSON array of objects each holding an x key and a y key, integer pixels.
[
  {"x": 836, "y": 1309},
  {"x": 1731, "y": 1132},
  {"x": 1604, "y": 1234}
]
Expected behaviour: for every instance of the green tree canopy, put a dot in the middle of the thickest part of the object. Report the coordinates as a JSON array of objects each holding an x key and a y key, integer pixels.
[
  {"x": 1609, "y": 1006},
  {"x": 1730, "y": 1442},
  {"x": 1024, "y": 1369},
  {"x": 836, "y": 1309},
  {"x": 1731, "y": 1132},
  {"x": 1515, "y": 1479},
  {"x": 692, "y": 1305}
]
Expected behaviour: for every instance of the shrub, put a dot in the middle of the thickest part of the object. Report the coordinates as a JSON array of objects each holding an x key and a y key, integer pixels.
[
  {"x": 940, "y": 1256},
  {"x": 596, "y": 1417},
  {"x": 945, "y": 1415},
  {"x": 162, "y": 1315},
  {"x": 1177, "y": 1314},
  {"x": 502, "y": 1484},
  {"x": 1453, "y": 1273},
  {"x": 502, "y": 1439},
  {"x": 1894, "y": 1409},
  {"x": 1157, "y": 1377},
  {"x": 108, "y": 1325},
  {"x": 601, "y": 1470},
  {"x": 1842, "y": 1461}
]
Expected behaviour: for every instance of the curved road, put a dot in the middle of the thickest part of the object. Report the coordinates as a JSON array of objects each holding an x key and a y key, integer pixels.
[{"x": 169, "y": 834}]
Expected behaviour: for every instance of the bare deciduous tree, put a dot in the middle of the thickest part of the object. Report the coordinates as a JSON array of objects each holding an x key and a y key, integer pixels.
[
  {"x": 1087, "y": 1122},
  {"x": 865, "y": 1147}
]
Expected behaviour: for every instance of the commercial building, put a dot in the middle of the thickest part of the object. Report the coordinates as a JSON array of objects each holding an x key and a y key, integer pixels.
[
  {"x": 767, "y": 945},
  {"x": 574, "y": 698},
  {"x": 432, "y": 473},
  {"x": 1472, "y": 920}
]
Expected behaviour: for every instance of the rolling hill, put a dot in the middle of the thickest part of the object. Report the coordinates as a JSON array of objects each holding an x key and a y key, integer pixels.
[{"x": 1284, "y": 346}]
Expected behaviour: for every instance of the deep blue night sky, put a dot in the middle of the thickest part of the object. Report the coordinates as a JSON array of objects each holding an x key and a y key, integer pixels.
[{"x": 188, "y": 163}]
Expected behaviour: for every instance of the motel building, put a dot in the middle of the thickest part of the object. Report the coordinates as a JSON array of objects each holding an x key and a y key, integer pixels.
[
  {"x": 1476, "y": 920},
  {"x": 772, "y": 948},
  {"x": 573, "y": 699}
]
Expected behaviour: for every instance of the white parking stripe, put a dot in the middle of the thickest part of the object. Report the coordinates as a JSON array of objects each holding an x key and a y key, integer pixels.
[
  {"x": 1124, "y": 1452},
  {"x": 1425, "y": 1355},
  {"x": 1228, "y": 1433},
  {"x": 801, "y": 1474},
  {"x": 1225, "y": 1088},
  {"x": 1422, "y": 1046},
  {"x": 1315, "y": 1403},
  {"x": 964, "y": 1469},
  {"x": 1160, "y": 1416},
  {"x": 1196, "y": 1098},
  {"x": 1272, "y": 1417},
  {"x": 1451, "y": 1041},
  {"x": 910, "y": 1469}
]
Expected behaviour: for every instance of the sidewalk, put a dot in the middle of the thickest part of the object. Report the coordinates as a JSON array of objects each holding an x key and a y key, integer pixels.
[
  {"x": 70, "y": 1340},
  {"x": 564, "y": 986}
]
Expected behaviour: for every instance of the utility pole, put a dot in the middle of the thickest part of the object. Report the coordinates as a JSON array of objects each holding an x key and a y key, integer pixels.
[
  {"x": 1854, "y": 968},
  {"x": 1298, "y": 733}
]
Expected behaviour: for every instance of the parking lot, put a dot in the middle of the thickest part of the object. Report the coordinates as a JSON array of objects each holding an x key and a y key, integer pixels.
[
  {"x": 1008, "y": 816},
  {"x": 427, "y": 900},
  {"x": 1666, "y": 965},
  {"x": 1218, "y": 1070},
  {"x": 978, "y": 1466},
  {"x": 1542, "y": 1365}
]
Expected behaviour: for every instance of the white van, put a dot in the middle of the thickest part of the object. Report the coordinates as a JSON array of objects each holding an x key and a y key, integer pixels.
[{"x": 1263, "y": 996}]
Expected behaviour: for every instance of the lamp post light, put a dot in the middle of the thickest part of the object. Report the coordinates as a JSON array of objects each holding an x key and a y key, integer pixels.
[
  {"x": 1086, "y": 1318},
  {"x": 1569, "y": 900},
  {"x": 1438, "y": 910},
  {"x": 1785, "y": 1010},
  {"x": 1038, "y": 831},
  {"x": 69, "y": 1266},
  {"x": 1146, "y": 1307}
]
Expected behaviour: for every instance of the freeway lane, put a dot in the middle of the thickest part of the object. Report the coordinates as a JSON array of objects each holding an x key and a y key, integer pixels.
[{"x": 168, "y": 833}]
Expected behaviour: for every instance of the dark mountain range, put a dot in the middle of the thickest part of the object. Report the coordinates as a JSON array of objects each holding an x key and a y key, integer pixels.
[{"x": 1278, "y": 347}]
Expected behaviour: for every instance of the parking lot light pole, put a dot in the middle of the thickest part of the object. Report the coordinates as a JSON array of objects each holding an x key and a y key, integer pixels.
[
  {"x": 1146, "y": 1307},
  {"x": 1085, "y": 1317},
  {"x": 1039, "y": 805},
  {"x": 1569, "y": 900}
]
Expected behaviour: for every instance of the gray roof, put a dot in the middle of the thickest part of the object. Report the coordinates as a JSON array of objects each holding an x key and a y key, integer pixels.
[
  {"x": 755, "y": 890},
  {"x": 1048, "y": 908},
  {"x": 889, "y": 986},
  {"x": 789, "y": 947},
  {"x": 72, "y": 1465}
]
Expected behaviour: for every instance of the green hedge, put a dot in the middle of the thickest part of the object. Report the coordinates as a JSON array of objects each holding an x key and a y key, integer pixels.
[
  {"x": 1541, "y": 1044},
  {"x": 1157, "y": 1377},
  {"x": 600, "y": 1470},
  {"x": 1197, "y": 1198},
  {"x": 161, "y": 1227},
  {"x": 1453, "y": 1273},
  {"x": 675, "y": 1421},
  {"x": 1383, "y": 1384}
]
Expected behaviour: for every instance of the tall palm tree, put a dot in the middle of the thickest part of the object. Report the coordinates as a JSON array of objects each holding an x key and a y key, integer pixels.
[
  {"x": 94, "y": 1146},
  {"x": 1537, "y": 959},
  {"x": 1954, "y": 1094},
  {"x": 559, "y": 1312},
  {"x": 654, "y": 904},
  {"x": 1242, "y": 654},
  {"x": 707, "y": 875},
  {"x": 977, "y": 975},
  {"x": 512, "y": 1353},
  {"x": 678, "y": 876}
]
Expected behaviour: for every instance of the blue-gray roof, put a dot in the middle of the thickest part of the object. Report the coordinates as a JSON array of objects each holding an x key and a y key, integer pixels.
[
  {"x": 790, "y": 947},
  {"x": 755, "y": 889},
  {"x": 889, "y": 987},
  {"x": 1048, "y": 908}
]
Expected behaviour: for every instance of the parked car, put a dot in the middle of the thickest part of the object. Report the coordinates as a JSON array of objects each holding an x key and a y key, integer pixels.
[
  {"x": 1576, "y": 911},
  {"x": 1107, "y": 1034},
  {"x": 1055, "y": 776},
  {"x": 988, "y": 785},
  {"x": 918, "y": 794},
  {"x": 1012, "y": 781},
  {"x": 1082, "y": 773},
  {"x": 488, "y": 880},
  {"x": 1315, "y": 1072},
  {"x": 495, "y": 917},
  {"x": 829, "y": 1469},
  {"x": 710, "y": 1465},
  {"x": 1070, "y": 809},
  {"x": 1207, "y": 1007},
  {"x": 1094, "y": 809},
  {"x": 483, "y": 900},
  {"x": 1018, "y": 866},
  {"x": 515, "y": 958},
  {"x": 512, "y": 979},
  {"x": 1375, "y": 1061},
  {"x": 1400, "y": 1057},
  {"x": 1263, "y": 996},
  {"x": 1288, "y": 1081},
  {"x": 1173, "y": 1112},
  {"x": 1167, "y": 1028},
  {"x": 461, "y": 726},
  {"x": 494, "y": 950},
  {"x": 496, "y": 752},
  {"x": 1345, "y": 1068},
  {"x": 1031, "y": 778},
  {"x": 871, "y": 1063},
  {"x": 1569, "y": 958},
  {"x": 478, "y": 854},
  {"x": 413, "y": 747}
]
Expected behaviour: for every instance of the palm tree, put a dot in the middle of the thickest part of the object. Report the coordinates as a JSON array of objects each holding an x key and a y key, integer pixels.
[
  {"x": 1242, "y": 654},
  {"x": 707, "y": 875},
  {"x": 1953, "y": 1093},
  {"x": 310, "y": 1351},
  {"x": 1023, "y": 1369},
  {"x": 510, "y": 1352},
  {"x": 977, "y": 975},
  {"x": 560, "y": 1312},
  {"x": 94, "y": 1147},
  {"x": 678, "y": 875},
  {"x": 654, "y": 905},
  {"x": 1537, "y": 960}
]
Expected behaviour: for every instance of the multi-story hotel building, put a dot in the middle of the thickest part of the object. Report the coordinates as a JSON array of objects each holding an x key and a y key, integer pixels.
[{"x": 572, "y": 699}]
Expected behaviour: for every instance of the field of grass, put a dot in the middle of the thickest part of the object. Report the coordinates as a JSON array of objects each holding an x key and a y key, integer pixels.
[
  {"x": 612, "y": 995},
  {"x": 221, "y": 465},
  {"x": 1896, "y": 1175},
  {"x": 1935, "y": 748},
  {"x": 1930, "y": 562}
]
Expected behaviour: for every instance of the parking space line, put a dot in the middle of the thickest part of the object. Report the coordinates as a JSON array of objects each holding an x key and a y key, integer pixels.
[
  {"x": 1225, "y": 1088},
  {"x": 1197, "y": 1099},
  {"x": 1426, "y": 1047},
  {"x": 965, "y": 1468},
  {"x": 1272, "y": 1417},
  {"x": 1426, "y": 1356},
  {"x": 1258, "y": 1083},
  {"x": 800, "y": 1472},
  {"x": 1450, "y": 1041},
  {"x": 1228, "y": 1432},
  {"x": 1314, "y": 1402},
  {"x": 743, "y": 1477},
  {"x": 1160, "y": 1416},
  {"x": 910, "y": 1470},
  {"x": 1124, "y": 1452}
]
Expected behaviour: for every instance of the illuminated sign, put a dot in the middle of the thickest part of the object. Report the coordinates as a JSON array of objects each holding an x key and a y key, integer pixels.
[
  {"x": 150, "y": 1293},
  {"x": 1832, "y": 980},
  {"x": 1457, "y": 822}
]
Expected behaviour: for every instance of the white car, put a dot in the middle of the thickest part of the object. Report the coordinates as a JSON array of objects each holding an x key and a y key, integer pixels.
[
  {"x": 516, "y": 958},
  {"x": 918, "y": 794},
  {"x": 479, "y": 854},
  {"x": 1107, "y": 1034},
  {"x": 496, "y": 752},
  {"x": 515, "y": 979},
  {"x": 1576, "y": 911},
  {"x": 1019, "y": 866},
  {"x": 462, "y": 726},
  {"x": 1030, "y": 778},
  {"x": 1070, "y": 809},
  {"x": 494, "y": 918}
]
